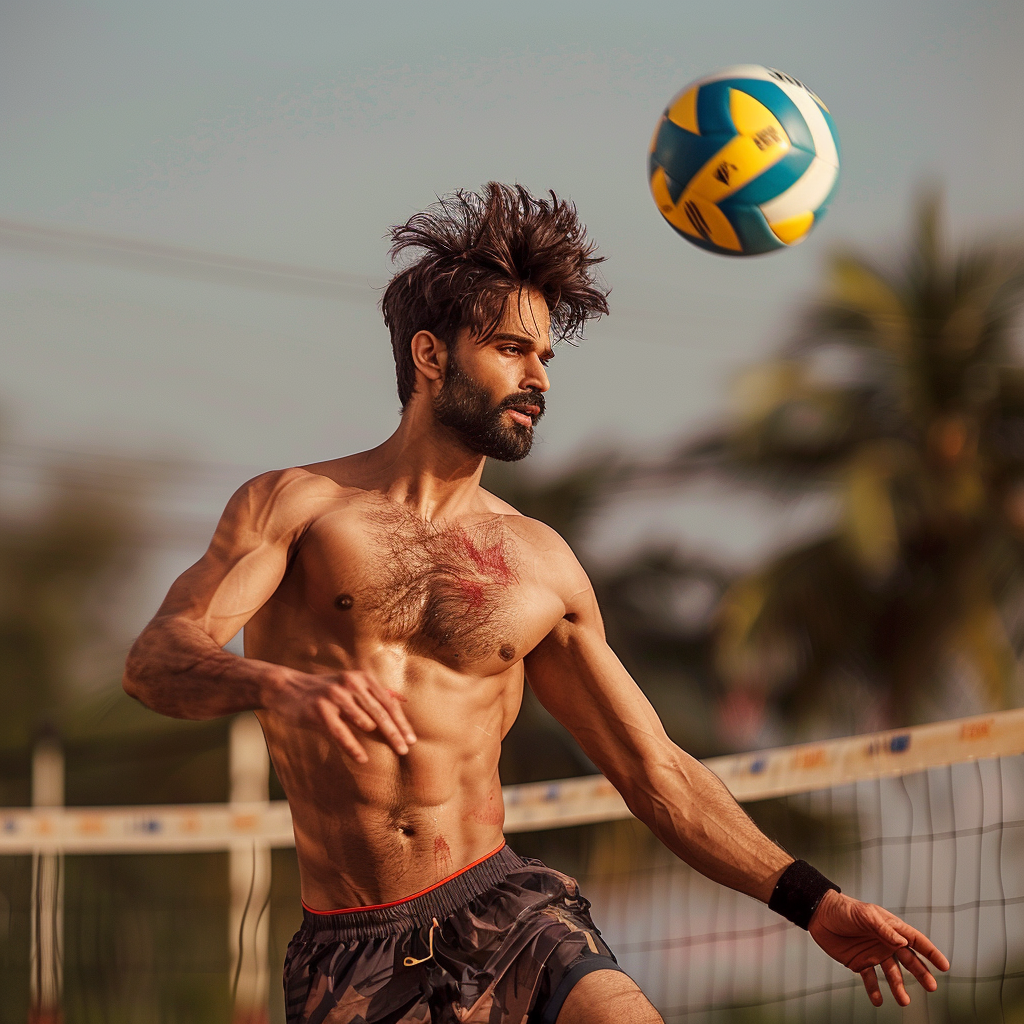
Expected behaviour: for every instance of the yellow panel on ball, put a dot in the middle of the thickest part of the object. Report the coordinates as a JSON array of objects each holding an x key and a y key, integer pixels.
[
  {"x": 793, "y": 229},
  {"x": 695, "y": 216},
  {"x": 659, "y": 189},
  {"x": 684, "y": 112},
  {"x": 761, "y": 144}
]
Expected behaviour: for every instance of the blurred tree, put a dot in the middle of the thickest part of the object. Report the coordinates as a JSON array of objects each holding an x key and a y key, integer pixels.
[
  {"x": 52, "y": 563},
  {"x": 66, "y": 559},
  {"x": 903, "y": 396}
]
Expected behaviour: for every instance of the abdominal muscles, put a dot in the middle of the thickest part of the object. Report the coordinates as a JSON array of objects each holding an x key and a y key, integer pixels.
[{"x": 378, "y": 832}]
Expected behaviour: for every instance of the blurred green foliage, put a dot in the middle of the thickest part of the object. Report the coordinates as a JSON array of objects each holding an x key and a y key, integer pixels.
[
  {"x": 902, "y": 394},
  {"x": 52, "y": 563}
]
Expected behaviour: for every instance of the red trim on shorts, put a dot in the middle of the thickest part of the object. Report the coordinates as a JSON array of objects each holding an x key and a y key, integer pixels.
[{"x": 415, "y": 895}]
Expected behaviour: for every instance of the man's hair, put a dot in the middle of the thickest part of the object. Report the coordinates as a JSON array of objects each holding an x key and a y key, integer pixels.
[{"x": 475, "y": 251}]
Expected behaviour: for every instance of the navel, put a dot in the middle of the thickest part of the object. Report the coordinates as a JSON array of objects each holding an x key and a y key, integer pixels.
[
  {"x": 343, "y": 602},
  {"x": 506, "y": 652}
]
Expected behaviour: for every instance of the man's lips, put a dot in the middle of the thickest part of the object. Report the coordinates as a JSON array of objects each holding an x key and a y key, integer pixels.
[{"x": 525, "y": 414}]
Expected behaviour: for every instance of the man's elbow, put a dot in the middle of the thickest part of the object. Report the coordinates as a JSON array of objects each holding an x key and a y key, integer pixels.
[
  {"x": 142, "y": 673},
  {"x": 134, "y": 677}
]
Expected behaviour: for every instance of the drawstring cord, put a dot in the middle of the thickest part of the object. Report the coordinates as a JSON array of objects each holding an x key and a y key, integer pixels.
[{"x": 411, "y": 961}]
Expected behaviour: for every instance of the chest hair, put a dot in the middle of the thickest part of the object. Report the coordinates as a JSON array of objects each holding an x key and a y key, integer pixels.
[{"x": 445, "y": 588}]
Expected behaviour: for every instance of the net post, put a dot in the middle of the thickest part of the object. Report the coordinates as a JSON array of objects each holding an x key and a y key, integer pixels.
[
  {"x": 46, "y": 957},
  {"x": 249, "y": 876}
]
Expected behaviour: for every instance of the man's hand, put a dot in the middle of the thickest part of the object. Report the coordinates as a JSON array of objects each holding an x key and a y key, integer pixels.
[
  {"x": 863, "y": 936},
  {"x": 337, "y": 702}
]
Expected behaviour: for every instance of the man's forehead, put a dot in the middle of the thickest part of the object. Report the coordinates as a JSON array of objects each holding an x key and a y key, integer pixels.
[{"x": 526, "y": 312}]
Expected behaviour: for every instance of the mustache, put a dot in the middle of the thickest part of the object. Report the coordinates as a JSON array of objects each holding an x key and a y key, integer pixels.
[{"x": 520, "y": 402}]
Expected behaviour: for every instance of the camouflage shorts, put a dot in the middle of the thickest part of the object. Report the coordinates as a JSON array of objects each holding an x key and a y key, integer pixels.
[{"x": 500, "y": 943}]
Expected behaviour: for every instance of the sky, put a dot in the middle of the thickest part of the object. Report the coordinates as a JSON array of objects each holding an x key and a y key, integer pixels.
[{"x": 297, "y": 133}]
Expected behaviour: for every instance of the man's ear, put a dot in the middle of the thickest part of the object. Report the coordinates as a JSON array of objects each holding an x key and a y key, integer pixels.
[{"x": 429, "y": 354}]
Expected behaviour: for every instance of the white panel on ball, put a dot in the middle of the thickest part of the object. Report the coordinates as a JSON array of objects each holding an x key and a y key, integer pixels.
[{"x": 803, "y": 196}]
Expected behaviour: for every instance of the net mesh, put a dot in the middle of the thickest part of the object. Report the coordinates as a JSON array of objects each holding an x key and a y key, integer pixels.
[
  {"x": 942, "y": 848},
  {"x": 145, "y": 935}
]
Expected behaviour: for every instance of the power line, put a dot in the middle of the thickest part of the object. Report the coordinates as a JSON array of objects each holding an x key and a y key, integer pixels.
[
  {"x": 241, "y": 271},
  {"x": 182, "y": 261}
]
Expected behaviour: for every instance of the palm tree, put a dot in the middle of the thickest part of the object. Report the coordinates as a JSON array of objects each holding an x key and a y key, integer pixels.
[{"x": 903, "y": 397}]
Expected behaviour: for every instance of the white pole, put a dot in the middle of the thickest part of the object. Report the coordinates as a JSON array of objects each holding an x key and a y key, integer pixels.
[
  {"x": 249, "y": 876},
  {"x": 47, "y": 924}
]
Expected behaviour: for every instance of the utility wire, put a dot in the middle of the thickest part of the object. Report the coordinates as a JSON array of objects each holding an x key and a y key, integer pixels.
[
  {"x": 182, "y": 261},
  {"x": 241, "y": 271}
]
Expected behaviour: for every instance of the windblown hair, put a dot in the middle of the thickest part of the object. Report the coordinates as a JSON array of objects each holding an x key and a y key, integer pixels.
[{"x": 475, "y": 250}]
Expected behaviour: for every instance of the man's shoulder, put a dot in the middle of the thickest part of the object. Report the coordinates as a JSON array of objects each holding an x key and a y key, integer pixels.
[
  {"x": 284, "y": 499},
  {"x": 535, "y": 534},
  {"x": 287, "y": 486}
]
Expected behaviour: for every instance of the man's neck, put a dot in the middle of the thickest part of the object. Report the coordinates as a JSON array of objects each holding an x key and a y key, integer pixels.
[{"x": 425, "y": 467}]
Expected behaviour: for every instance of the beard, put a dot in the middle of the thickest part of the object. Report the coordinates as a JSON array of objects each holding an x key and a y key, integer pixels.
[{"x": 466, "y": 408}]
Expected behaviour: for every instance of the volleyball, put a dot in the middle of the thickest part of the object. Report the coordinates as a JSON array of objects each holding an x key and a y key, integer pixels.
[{"x": 744, "y": 161}]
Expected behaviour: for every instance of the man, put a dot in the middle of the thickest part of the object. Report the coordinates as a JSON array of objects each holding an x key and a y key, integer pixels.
[{"x": 391, "y": 609}]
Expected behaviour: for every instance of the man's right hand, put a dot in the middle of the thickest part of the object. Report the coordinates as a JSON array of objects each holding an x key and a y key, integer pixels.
[{"x": 340, "y": 702}]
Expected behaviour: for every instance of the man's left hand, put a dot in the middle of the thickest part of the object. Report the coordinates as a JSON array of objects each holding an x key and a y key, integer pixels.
[{"x": 863, "y": 936}]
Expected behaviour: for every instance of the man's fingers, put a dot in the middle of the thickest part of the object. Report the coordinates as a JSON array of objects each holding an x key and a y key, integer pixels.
[
  {"x": 398, "y": 713},
  {"x": 885, "y": 927},
  {"x": 392, "y": 703},
  {"x": 894, "y": 976},
  {"x": 349, "y": 707},
  {"x": 384, "y": 722},
  {"x": 921, "y": 944},
  {"x": 915, "y": 965},
  {"x": 343, "y": 734},
  {"x": 870, "y": 980}
]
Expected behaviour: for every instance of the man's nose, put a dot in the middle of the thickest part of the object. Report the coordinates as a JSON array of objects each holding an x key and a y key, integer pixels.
[{"x": 536, "y": 376}]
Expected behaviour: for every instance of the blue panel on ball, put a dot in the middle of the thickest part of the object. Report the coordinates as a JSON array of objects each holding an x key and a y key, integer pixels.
[
  {"x": 775, "y": 100},
  {"x": 682, "y": 153},
  {"x": 713, "y": 109},
  {"x": 755, "y": 235},
  {"x": 774, "y": 181}
]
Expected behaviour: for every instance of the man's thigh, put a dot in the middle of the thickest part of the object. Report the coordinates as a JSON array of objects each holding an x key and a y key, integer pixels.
[{"x": 607, "y": 996}]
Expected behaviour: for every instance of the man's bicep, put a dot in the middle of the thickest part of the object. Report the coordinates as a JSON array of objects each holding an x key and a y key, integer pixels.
[
  {"x": 243, "y": 566},
  {"x": 580, "y": 680}
]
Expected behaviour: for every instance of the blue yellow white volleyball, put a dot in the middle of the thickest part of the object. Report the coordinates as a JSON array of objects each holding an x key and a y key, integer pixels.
[{"x": 744, "y": 161}]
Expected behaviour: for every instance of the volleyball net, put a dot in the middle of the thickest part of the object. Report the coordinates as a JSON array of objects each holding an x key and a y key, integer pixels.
[
  {"x": 170, "y": 913},
  {"x": 928, "y": 823}
]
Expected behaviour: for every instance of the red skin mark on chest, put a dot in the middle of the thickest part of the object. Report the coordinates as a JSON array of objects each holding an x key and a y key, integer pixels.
[
  {"x": 489, "y": 561},
  {"x": 472, "y": 592},
  {"x": 442, "y": 857}
]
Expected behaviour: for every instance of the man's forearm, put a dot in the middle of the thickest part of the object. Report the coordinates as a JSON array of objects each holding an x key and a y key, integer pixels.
[
  {"x": 177, "y": 669},
  {"x": 690, "y": 810}
]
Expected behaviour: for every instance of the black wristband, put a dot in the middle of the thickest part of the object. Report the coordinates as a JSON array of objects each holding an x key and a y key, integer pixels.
[{"x": 798, "y": 892}]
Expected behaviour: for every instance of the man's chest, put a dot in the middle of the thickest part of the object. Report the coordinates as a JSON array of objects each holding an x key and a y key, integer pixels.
[{"x": 465, "y": 593}]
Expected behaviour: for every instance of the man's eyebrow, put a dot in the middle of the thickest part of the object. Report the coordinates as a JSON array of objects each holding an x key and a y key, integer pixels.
[
  {"x": 525, "y": 338},
  {"x": 506, "y": 336}
]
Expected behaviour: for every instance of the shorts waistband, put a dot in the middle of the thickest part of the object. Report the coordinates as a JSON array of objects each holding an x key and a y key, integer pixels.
[{"x": 440, "y": 901}]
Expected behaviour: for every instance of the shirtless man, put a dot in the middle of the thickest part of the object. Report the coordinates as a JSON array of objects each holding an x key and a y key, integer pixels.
[{"x": 392, "y": 608}]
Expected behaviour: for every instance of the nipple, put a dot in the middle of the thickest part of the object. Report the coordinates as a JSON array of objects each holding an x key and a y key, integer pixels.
[
  {"x": 343, "y": 602},
  {"x": 506, "y": 652}
]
